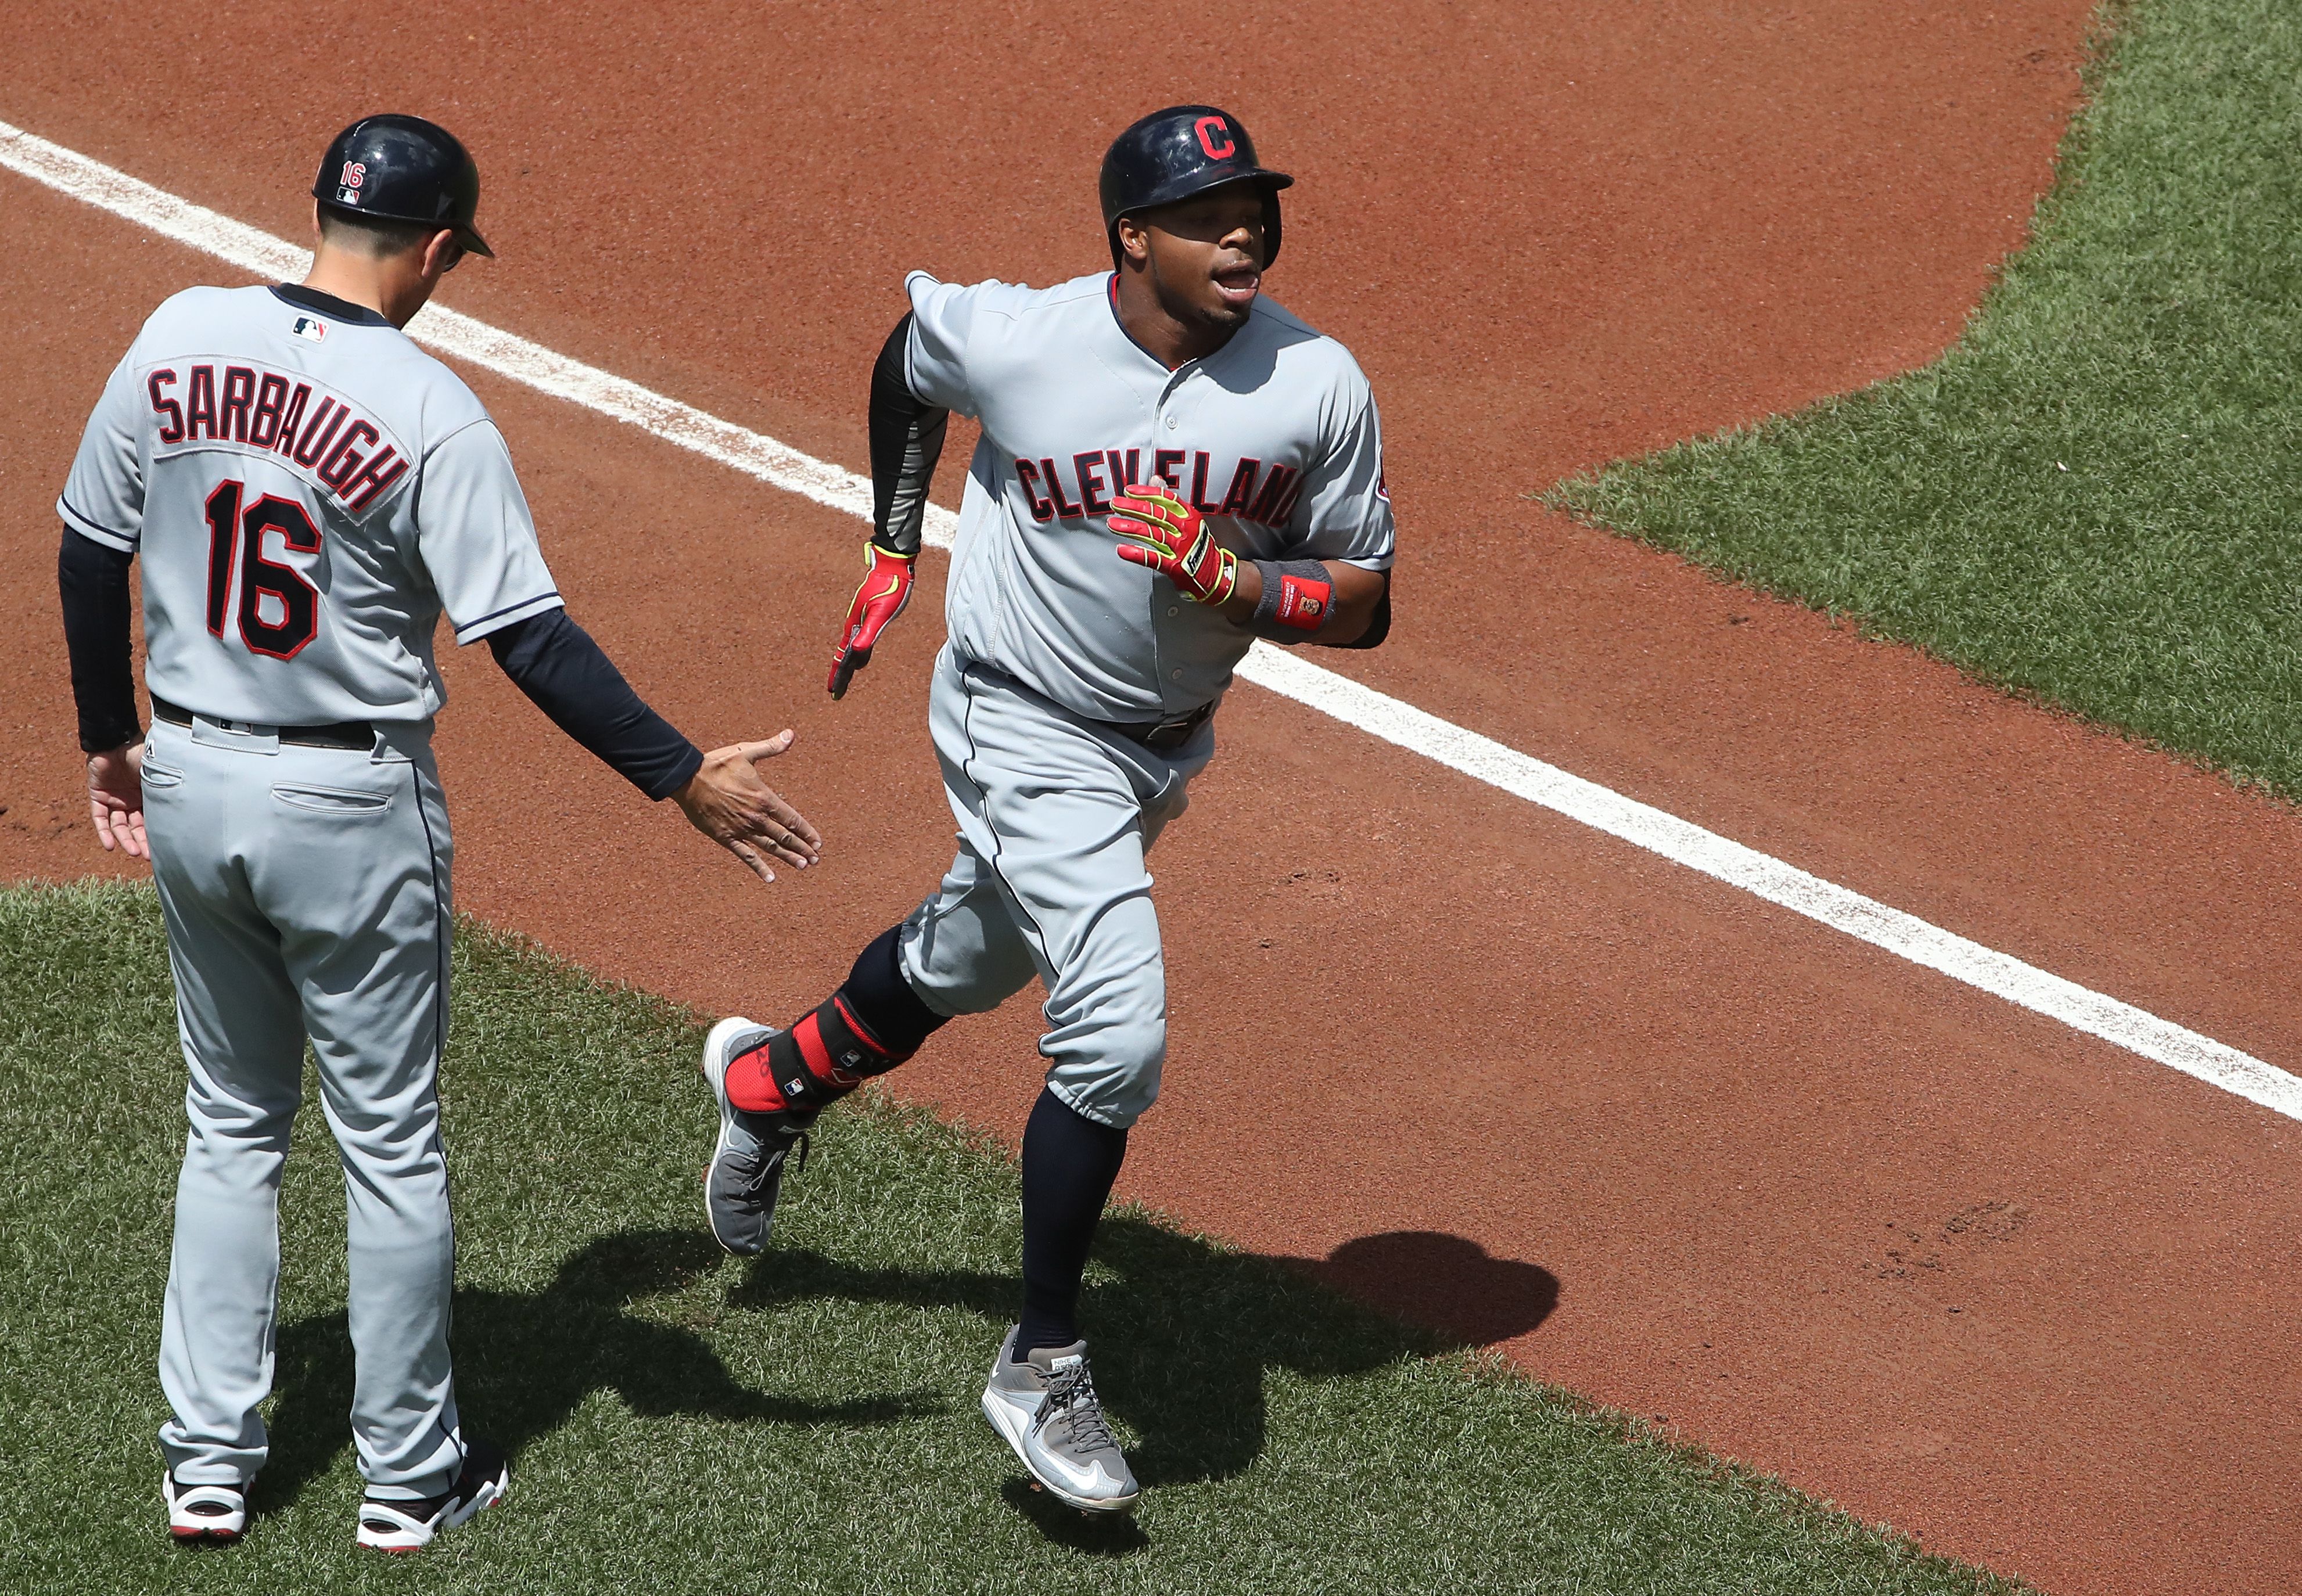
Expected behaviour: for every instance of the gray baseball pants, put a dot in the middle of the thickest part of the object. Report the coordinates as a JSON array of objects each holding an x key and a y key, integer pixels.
[
  {"x": 1056, "y": 813},
  {"x": 305, "y": 893}
]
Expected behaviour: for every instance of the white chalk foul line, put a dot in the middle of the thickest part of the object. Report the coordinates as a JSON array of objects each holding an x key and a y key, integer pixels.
[
  {"x": 1377, "y": 714},
  {"x": 1864, "y": 919}
]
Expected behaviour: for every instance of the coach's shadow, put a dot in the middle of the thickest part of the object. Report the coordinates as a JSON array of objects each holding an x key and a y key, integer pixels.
[
  {"x": 1185, "y": 1336},
  {"x": 525, "y": 1361}
]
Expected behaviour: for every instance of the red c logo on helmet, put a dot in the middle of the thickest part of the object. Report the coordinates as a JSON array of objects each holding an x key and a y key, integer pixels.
[{"x": 1211, "y": 128}]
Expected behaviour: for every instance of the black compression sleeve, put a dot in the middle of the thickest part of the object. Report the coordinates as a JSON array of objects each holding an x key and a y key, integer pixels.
[
  {"x": 906, "y": 442},
  {"x": 555, "y": 662},
  {"x": 92, "y": 580}
]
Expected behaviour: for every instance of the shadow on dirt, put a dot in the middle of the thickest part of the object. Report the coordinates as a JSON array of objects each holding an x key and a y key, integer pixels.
[{"x": 1447, "y": 1282}]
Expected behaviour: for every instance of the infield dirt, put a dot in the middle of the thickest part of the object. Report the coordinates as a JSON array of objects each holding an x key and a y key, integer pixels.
[{"x": 1941, "y": 1261}]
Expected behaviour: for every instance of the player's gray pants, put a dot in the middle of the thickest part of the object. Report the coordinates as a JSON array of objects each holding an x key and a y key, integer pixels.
[
  {"x": 306, "y": 890},
  {"x": 1055, "y": 814}
]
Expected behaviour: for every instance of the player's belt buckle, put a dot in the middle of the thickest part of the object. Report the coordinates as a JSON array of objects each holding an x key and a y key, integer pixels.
[{"x": 1165, "y": 737}]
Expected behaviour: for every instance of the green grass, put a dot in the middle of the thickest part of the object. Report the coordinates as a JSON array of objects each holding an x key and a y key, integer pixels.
[
  {"x": 2096, "y": 497},
  {"x": 684, "y": 1421}
]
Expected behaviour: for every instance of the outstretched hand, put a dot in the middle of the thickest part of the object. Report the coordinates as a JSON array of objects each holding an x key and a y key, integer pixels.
[
  {"x": 728, "y": 802},
  {"x": 115, "y": 799}
]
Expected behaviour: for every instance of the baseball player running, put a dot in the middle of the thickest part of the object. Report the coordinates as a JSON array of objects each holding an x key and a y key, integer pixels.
[
  {"x": 1170, "y": 466},
  {"x": 310, "y": 491}
]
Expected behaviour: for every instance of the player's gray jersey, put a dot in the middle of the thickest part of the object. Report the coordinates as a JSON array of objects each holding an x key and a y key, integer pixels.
[
  {"x": 308, "y": 491},
  {"x": 1274, "y": 438}
]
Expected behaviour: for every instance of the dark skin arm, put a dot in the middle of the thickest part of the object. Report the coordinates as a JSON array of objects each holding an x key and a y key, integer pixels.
[{"x": 1357, "y": 591}]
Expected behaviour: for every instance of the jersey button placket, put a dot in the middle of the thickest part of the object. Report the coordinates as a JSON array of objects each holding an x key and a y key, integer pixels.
[{"x": 1170, "y": 398}]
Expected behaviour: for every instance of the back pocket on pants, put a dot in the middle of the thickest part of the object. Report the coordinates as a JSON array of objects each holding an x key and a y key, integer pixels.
[{"x": 348, "y": 802}]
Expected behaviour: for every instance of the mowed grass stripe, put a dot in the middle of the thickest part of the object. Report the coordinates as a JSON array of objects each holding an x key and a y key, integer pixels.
[
  {"x": 806, "y": 1423},
  {"x": 2096, "y": 495}
]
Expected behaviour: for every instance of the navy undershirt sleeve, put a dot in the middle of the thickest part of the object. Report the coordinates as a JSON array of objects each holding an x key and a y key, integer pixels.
[
  {"x": 571, "y": 679},
  {"x": 92, "y": 580}
]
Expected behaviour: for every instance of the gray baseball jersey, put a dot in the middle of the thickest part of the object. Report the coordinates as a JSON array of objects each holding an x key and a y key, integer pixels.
[
  {"x": 309, "y": 491},
  {"x": 1274, "y": 438}
]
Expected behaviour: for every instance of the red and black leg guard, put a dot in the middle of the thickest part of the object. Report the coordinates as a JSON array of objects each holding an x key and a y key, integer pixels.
[{"x": 872, "y": 1023}]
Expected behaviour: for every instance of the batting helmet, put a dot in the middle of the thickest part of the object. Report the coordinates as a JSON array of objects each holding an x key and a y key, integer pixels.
[
  {"x": 1184, "y": 150},
  {"x": 403, "y": 169}
]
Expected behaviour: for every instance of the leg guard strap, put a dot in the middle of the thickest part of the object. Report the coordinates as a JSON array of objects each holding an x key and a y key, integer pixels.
[{"x": 872, "y": 1023}]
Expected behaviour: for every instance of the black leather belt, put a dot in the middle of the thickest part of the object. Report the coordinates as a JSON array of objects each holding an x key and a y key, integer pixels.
[
  {"x": 1164, "y": 737},
  {"x": 358, "y": 736}
]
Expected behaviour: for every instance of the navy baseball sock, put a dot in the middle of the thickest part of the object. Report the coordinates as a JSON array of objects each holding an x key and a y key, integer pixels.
[{"x": 1069, "y": 1163}]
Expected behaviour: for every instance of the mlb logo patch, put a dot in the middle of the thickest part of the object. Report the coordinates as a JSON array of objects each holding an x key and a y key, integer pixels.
[{"x": 310, "y": 327}]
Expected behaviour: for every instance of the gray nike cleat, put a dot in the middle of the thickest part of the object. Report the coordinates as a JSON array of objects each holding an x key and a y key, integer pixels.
[
  {"x": 1046, "y": 1409},
  {"x": 746, "y": 1172}
]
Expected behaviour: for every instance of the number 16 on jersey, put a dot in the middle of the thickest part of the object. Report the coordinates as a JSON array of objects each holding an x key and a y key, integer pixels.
[{"x": 291, "y": 618}]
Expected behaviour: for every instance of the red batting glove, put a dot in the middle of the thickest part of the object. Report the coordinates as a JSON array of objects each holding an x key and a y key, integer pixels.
[
  {"x": 886, "y": 590},
  {"x": 1165, "y": 534}
]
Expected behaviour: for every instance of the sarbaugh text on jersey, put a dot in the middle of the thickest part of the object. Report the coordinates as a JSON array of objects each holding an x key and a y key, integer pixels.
[{"x": 268, "y": 412}]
